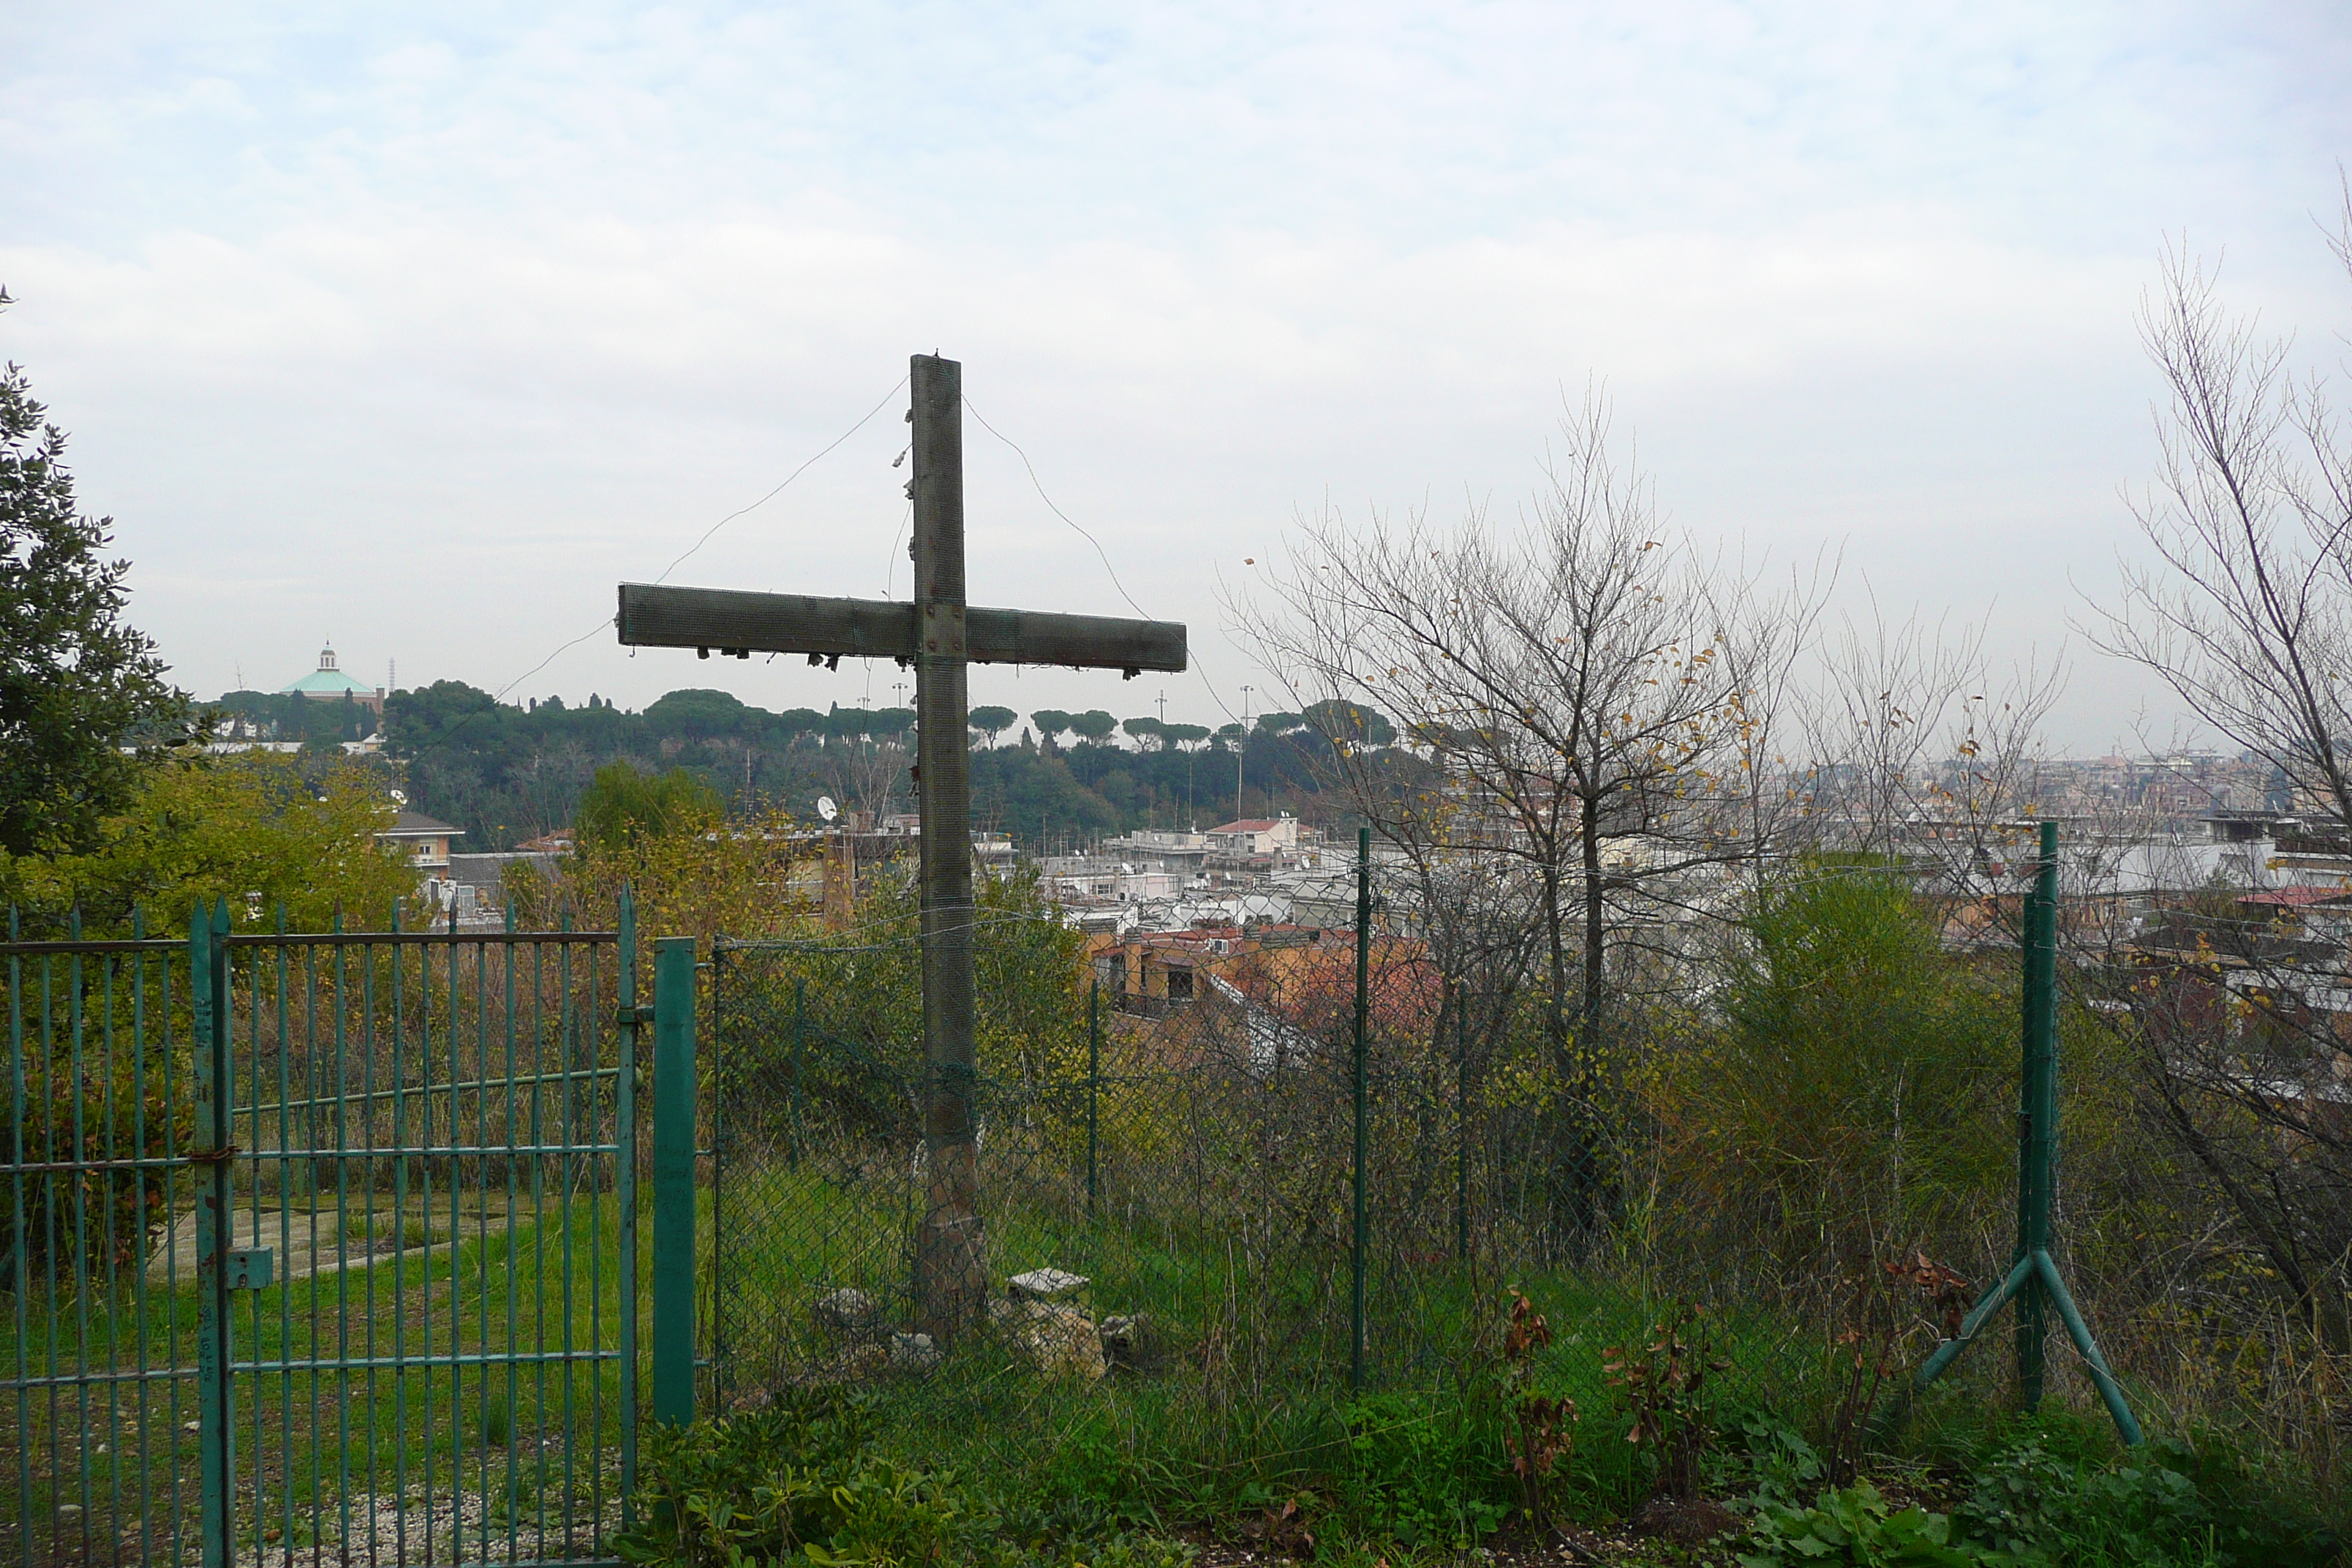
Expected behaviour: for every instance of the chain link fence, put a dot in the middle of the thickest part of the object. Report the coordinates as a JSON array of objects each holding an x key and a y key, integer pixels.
[{"x": 1189, "y": 1171}]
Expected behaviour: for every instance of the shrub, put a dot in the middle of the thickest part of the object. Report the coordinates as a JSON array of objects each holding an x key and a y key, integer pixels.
[
  {"x": 1855, "y": 1525},
  {"x": 1858, "y": 1089},
  {"x": 2161, "y": 1503},
  {"x": 805, "y": 1482},
  {"x": 1424, "y": 1471}
]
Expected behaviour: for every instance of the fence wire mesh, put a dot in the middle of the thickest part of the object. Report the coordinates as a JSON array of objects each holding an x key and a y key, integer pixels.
[
  {"x": 315, "y": 1248},
  {"x": 1169, "y": 1173}
]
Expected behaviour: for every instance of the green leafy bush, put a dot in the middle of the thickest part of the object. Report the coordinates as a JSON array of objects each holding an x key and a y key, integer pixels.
[
  {"x": 2162, "y": 1502},
  {"x": 1424, "y": 1471},
  {"x": 1854, "y": 1525},
  {"x": 883, "y": 1514},
  {"x": 804, "y": 1483},
  {"x": 1774, "y": 1466}
]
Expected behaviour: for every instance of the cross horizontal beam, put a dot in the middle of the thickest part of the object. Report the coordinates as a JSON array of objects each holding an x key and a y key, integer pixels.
[{"x": 735, "y": 621}]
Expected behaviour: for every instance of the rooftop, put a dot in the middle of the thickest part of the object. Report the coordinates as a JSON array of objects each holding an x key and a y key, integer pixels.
[
  {"x": 328, "y": 679},
  {"x": 416, "y": 825},
  {"x": 2296, "y": 898}
]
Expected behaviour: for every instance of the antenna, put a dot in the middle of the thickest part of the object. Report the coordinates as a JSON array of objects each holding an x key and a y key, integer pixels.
[
  {"x": 1240, "y": 747},
  {"x": 825, "y": 808}
]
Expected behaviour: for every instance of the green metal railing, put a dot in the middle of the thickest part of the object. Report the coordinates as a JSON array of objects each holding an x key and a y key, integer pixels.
[{"x": 328, "y": 1244}]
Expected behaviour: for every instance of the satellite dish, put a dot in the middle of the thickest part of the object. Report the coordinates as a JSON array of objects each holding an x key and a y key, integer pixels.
[
  {"x": 825, "y": 808},
  {"x": 400, "y": 797}
]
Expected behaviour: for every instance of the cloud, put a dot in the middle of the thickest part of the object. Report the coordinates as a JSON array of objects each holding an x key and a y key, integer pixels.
[{"x": 455, "y": 318}]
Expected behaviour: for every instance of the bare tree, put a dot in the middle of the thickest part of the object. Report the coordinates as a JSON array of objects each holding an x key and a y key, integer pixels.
[
  {"x": 1765, "y": 635},
  {"x": 1916, "y": 748},
  {"x": 865, "y": 770},
  {"x": 1569, "y": 683},
  {"x": 2245, "y": 612}
]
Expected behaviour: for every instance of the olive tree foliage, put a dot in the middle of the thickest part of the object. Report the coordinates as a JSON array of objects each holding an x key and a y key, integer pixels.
[
  {"x": 1595, "y": 694},
  {"x": 2243, "y": 607},
  {"x": 76, "y": 684}
]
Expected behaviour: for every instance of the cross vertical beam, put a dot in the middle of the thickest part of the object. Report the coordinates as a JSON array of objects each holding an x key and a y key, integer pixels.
[
  {"x": 950, "y": 1251},
  {"x": 940, "y": 635}
]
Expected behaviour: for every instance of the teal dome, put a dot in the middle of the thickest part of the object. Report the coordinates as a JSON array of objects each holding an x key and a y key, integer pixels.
[{"x": 329, "y": 682}]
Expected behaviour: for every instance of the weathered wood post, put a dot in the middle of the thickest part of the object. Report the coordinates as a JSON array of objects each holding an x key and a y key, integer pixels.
[
  {"x": 939, "y": 634},
  {"x": 951, "y": 1250}
]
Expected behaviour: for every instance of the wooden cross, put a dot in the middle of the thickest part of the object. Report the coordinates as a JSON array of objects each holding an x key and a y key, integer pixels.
[{"x": 940, "y": 635}]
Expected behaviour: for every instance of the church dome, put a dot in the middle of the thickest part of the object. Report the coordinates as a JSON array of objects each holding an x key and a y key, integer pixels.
[{"x": 327, "y": 680}]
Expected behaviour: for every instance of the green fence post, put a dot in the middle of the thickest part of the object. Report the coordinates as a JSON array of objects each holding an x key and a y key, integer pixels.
[
  {"x": 715, "y": 1276},
  {"x": 674, "y": 1107},
  {"x": 1094, "y": 1087},
  {"x": 215, "y": 1230},
  {"x": 2037, "y": 1113},
  {"x": 2032, "y": 1280},
  {"x": 624, "y": 1197},
  {"x": 1363, "y": 1016},
  {"x": 20, "y": 1298}
]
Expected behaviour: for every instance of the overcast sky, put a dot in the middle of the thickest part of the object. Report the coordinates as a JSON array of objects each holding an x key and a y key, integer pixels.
[{"x": 418, "y": 328}]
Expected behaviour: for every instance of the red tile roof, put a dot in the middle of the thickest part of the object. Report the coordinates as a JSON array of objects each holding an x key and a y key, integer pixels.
[{"x": 2296, "y": 898}]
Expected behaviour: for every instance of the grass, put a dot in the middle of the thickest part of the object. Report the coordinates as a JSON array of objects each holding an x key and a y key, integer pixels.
[
  {"x": 1249, "y": 1398},
  {"x": 535, "y": 1440},
  {"x": 1247, "y": 1406},
  {"x": 1250, "y": 1406}
]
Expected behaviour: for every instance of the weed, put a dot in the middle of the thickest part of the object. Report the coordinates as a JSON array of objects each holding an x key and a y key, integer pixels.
[
  {"x": 1660, "y": 1383},
  {"x": 1286, "y": 1528},
  {"x": 1422, "y": 1470},
  {"x": 1854, "y": 1525},
  {"x": 1540, "y": 1430},
  {"x": 2032, "y": 1498},
  {"x": 1867, "y": 1350},
  {"x": 1774, "y": 1467}
]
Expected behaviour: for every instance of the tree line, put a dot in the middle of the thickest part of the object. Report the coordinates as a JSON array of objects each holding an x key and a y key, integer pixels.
[{"x": 507, "y": 772}]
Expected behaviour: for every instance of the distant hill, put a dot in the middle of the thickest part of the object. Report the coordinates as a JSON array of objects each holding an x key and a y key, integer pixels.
[{"x": 505, "y": 773}]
